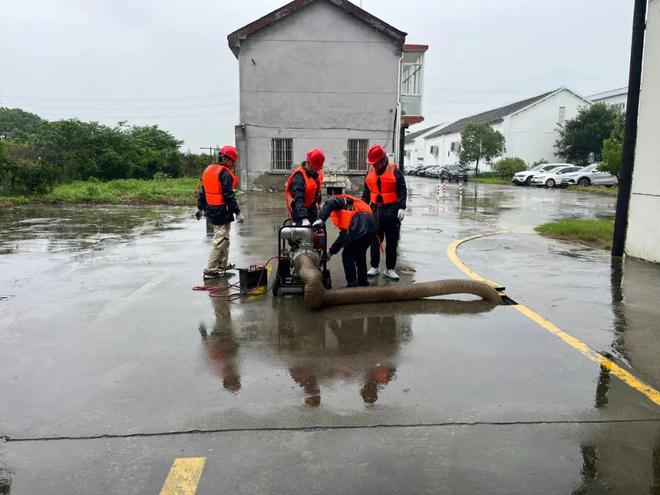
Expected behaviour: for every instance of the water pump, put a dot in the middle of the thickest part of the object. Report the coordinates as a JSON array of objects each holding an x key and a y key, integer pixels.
[{"x": 293, "y": 242}]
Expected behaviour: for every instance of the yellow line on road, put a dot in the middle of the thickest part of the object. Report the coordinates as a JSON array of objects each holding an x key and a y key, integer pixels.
[
  {"x": 184, "y": 476},
  {"x": 577, "y": 344}
]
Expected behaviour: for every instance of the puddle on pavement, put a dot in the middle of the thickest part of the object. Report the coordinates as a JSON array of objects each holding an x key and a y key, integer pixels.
[
  {"x": 57, "y": 229},
  {"x": 352, "y": 348}
]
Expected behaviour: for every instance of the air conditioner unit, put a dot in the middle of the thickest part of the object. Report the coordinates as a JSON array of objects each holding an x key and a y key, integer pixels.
[{"x": 434, "y": 150}]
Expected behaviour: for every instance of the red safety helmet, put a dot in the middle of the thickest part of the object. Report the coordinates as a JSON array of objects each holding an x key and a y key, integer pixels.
[
  {"x": 375, "y": 154},
  {"x": 316, "y": 157},
  {"x": 230, "y": 152}
]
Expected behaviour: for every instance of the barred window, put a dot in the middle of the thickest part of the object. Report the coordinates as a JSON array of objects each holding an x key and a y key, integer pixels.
[
  {"x": 281, "y": 153},
  {"x": 357, "y": 154}
]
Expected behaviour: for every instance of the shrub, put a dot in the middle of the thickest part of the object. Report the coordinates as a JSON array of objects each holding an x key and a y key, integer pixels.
[
  {"x": 161, "y": 176},
  {"x": 506, "y": 167},
  {"x": 542, "y": 161},
  {"x": 24, "y": 176}
]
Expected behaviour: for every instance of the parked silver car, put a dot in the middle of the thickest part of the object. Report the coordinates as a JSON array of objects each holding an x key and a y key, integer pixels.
[
  {"x": 524, "y": 178},
  {"x": 590, "y": 175}
]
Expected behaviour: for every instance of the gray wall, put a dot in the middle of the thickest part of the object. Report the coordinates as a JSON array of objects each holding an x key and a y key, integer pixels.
[{"x": 319, "y": 76}]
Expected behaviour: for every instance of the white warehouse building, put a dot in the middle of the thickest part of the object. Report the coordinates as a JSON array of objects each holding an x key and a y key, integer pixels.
[
  {"x": 415, "y": 146},
  {"x": 618, "y": 98},
  {"x": 529, "y": 127}
]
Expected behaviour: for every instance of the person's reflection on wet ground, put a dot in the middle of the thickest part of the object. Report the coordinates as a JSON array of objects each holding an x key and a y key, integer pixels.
[
  {"x": 376, "y": 339},
  {"x": 304, "y": 376},
  {"x": 338, "y": 348},
  {"x": 221, "y": 346}
]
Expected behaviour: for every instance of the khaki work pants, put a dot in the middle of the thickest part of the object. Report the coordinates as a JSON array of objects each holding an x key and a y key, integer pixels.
[{"x": 219, "y": 247}]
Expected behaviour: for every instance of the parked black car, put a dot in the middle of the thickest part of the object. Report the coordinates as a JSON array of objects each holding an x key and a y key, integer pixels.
[{"x": 453, "y": 173}]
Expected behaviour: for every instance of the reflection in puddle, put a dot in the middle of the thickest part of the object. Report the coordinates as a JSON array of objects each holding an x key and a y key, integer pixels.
[{"x": 323, "y": 350}]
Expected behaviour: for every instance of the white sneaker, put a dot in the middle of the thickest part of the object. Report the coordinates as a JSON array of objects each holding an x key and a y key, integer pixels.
[
  {"x": 391, "y": 274},
  {"x": 373, "y": 272}
]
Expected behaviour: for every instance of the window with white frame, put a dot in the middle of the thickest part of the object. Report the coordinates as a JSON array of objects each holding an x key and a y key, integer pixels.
[
  {"x": 411, "y": 74},
  {"x": 357, "y": 154},
  {"x": 281, "y": 154}
]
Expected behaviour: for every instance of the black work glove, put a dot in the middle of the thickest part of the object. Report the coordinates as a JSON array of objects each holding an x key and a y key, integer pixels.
[{"x": 199, "y": 214}]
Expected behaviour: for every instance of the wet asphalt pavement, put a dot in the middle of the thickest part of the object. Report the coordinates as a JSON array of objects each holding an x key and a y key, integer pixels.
[{"x": 111, "y": 366}]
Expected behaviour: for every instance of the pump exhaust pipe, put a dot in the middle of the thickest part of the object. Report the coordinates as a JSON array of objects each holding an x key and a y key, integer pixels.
[{"x": 316, "y": 296}]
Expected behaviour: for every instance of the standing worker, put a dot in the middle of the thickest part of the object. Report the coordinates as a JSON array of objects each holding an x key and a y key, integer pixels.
[
  {"x": 303, "y": 189},
  {"x": 385, "y": 190},
  {"x": 357, "y": 229},
  {"x": 216, "y": 199}
]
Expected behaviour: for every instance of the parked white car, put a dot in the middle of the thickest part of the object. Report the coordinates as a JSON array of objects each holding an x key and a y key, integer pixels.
[
  {"x": 553, "y": 178},
  {"x": 524, "y": 178},
  {"x": 590, "y": 175}
]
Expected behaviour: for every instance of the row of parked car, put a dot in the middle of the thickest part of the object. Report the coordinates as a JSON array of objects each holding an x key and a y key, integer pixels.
[
  {"x": 563, "y": 175},
  {"x": 447, "y": 172}
]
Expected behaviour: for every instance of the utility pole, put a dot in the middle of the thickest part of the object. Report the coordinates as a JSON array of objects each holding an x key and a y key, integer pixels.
[
  {"x": 213, "y": 150},
  {"x": 630, "y": 130}
]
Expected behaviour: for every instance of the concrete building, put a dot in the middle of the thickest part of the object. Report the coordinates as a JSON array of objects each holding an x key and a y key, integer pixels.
[
  {"x": 643, "y": 239},
  {"x": 415, "y": 145},
  {"x": 615, "y": 97},
  {"x": 322, "y": 73},
  {"x": 529, "y": 127}
]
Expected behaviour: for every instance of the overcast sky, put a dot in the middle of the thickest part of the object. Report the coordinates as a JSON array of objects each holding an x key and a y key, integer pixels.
[{"x": 167, "y": 62}]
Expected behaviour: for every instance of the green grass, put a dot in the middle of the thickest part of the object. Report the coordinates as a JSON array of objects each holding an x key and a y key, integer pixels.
[
  {"x": 603, "y": 191},
  {"x": 490, "y": 180},
  {"x": 595, "y": 232},
  {"x": 123, "y": 191}
]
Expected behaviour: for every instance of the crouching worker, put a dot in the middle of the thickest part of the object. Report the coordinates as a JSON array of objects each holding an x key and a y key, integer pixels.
[
  {"x": 357, "y": 230},
  {"x": 217, "y": 200}
]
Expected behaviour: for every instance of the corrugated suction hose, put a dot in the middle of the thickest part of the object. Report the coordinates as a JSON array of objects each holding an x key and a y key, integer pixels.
[{"x": 316, "y": 296}]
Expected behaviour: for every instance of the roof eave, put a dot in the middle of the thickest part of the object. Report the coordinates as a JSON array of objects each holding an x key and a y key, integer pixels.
[{"x": 234, "y": 38}]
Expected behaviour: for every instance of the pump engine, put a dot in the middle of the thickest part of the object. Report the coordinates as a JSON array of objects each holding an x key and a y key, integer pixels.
[{"x": 294, "y": 240}]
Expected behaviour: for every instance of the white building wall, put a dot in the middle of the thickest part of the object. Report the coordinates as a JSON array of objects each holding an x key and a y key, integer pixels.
[
  {"x": 445, "y": 154},
  {"x": 416, "y": 150},
  {"x": 531, "y": 134},
  {"x": 618, "y": 100},
  {"x": 319, "y": 76},
  {"x": 643, "y": 240}
]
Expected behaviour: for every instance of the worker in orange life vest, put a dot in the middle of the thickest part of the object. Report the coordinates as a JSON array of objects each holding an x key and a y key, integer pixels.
[
  {"x": 385, "y": 191},
  {"x": 357, "y": 228},
  {"x": 303, "y": 188},
  {"x": 217, "y": 200}
]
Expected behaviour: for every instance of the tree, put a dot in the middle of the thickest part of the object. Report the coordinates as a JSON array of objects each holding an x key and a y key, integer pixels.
[
  {"x": 480, "y": 142},
  {"x": 613, "y": 150},
  {"x": 581, "y": 139},
  {"x": 18, "y": 125}
]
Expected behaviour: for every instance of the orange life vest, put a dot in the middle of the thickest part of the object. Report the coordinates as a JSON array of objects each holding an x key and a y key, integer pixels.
[
  {"x": 343, "y": 218},
  {"x": 312, "y": 189},
  {"x": 386, "y": 194},
  {"x": 212, "y": 186}
]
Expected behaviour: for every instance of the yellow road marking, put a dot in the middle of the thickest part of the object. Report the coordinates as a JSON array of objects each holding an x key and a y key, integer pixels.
[
  {"x": 184, "y": 476},
  {"x": 625, "y": 376},
  {"x": 453, "y": 257}
]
